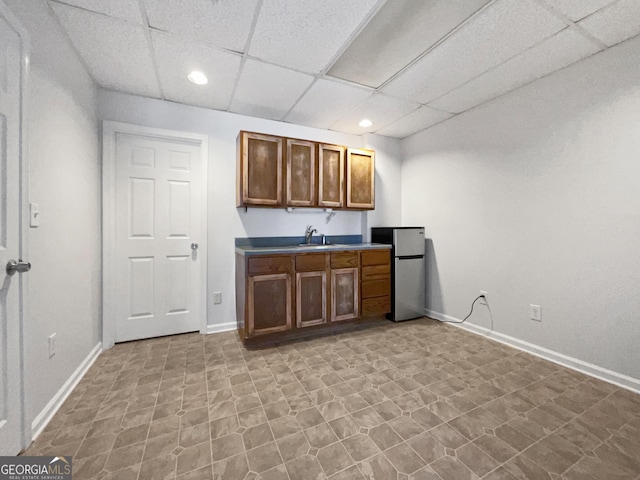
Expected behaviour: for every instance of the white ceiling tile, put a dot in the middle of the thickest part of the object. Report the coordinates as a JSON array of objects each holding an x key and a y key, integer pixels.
[
  {"x": 417, "y": 120},
  {"x": 117, "y": 53},
  {"x": 578, "y": 9},
  {"x": 177, "y": 57},
  {"x": 615, "y": 23},
  {"x": 306, "y": 35},
  {"x": 325, "y": 102},
  {"x": 498, "y": 33},
  {"x": 559, "y": 51},
  {"x": 128, "y": 10},
  {"x": 381, "y": 109},
  {"x": 219, "y": 23},
  {"x": 268, "y": 91},
  {"x": 398, "y": 34}
]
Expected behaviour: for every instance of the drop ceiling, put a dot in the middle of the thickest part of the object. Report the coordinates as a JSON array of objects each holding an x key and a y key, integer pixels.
[{"x": 406, "y": 65}]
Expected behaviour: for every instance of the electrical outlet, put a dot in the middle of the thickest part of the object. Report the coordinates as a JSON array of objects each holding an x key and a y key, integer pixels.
[
  {"x": 536, "y": 312},
  {"x": 217, "y": 298},
  {"x": 485, "y": 300},
  {"x": 52, "y": 345}
]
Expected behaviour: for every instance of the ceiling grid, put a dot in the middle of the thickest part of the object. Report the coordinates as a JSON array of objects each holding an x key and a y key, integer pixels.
[{"x": 404, "y": 65}]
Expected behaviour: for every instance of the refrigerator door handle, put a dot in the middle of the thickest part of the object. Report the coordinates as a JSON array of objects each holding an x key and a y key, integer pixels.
[{"x": 410, "y": 257}]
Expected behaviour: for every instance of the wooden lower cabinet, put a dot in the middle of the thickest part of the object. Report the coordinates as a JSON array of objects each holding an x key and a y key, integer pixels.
[
  {"x": 311, "y": 298},
  {"x": 269, "y": 303},
  {"x": 376, "y": 282},
  {"x": 344, "y": 294},
  {"x": 279, "y": 295}
]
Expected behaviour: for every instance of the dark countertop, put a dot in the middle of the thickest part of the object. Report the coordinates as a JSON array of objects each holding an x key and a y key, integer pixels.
[{"x": 288, "y": 249}]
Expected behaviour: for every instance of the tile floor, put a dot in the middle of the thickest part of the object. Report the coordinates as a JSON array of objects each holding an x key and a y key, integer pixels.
[{"x": 416, "y": 400}]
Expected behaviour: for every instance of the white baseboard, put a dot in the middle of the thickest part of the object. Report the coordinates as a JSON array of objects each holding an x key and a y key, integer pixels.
[
  {"x": 45, "y": 416},
  {"x": 222, "y": 327},
  {"x": 587, "y": 368}
]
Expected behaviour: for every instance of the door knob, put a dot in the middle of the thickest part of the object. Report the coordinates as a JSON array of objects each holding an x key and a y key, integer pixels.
[
  {"x": 19, "y": 266},
  {"x": 194, "y": 246}
]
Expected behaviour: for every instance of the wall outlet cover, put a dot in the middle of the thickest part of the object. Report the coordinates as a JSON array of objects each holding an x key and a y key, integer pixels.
[
  {"x": 485, "y": 300},
  {"x": 217, "y": 298},
  {"x": 535, "y": 312},
  {"x": 52, "y": 345}
]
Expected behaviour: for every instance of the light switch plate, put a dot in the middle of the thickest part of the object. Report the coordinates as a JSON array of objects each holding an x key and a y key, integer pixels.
[{"x": 34, "y": 215}]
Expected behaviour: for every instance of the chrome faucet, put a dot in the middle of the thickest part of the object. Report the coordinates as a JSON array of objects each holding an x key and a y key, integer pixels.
[{"x": 309, "y": 234}]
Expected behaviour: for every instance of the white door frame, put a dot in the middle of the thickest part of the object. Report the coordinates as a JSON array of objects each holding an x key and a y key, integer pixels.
[
  {"x": 23, "y": 172},
  {"x": 109, "y": 131}
]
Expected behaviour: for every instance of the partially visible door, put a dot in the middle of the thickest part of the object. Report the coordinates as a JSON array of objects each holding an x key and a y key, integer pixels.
[
  {"x": 159, "y": 269},
  {"x": 11, "y": 432}
]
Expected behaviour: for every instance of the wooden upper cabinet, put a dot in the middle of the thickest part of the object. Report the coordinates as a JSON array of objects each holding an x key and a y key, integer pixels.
[
  {"x": 259, "y": 170},
  {"x": 278, "y": 172},
  {"x": 330, "y": 176},
  {"x": 360, "y": 179},
  {"x": 301, "y": 173}
]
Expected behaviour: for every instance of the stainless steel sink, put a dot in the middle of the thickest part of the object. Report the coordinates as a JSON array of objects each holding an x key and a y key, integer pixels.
[{"x": 320, "y": 247}]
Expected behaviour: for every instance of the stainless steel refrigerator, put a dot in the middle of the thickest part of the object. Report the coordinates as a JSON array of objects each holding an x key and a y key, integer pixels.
[{"x": 407, "y": 269}]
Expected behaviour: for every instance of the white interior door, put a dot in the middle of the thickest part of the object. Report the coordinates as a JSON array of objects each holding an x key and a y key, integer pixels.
[
  {"x": 10, "y": 225},
  {"x": 159, "y": 267}
]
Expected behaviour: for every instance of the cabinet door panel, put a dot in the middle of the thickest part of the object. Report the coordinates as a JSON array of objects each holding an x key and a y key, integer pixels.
[
  {"x": 344, "y": 294},
  {"x": 331, "y": 176},
  {"x": 344, "y": 259},
  {"x": 269, "y": 303},
  {"x": 261, "y": 174},
  {"x": 311, "y": 262},
  {"x": 375, "y": 257},
  {"x": 301, "y": 173},
  {"x": 360, "y": 178},
  {"x": 311, "y": 298},
  {"x": 269, "y": 265},
  {"x": 376, "y": 288},
  {"x": 376, "y": 306},
  {"x": 377, "y": 272}
]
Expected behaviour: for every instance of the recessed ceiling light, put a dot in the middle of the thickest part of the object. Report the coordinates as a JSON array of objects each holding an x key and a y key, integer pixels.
[
  {"x": 198, "y": 78},
  {"x": 365, "y": 123}
]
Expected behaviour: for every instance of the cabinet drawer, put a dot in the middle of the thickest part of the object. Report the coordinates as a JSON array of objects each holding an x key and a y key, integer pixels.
[
  {"x": 376, "y": 288},
  {"x": 375, "y": 257},
  {"x": 311, "y": 262},
  {"x": 344, "y": 259},
  {"x": 267, "y": 265},
  {"x": 376, "y": 306},
  {"x": 376, "y": 272}
]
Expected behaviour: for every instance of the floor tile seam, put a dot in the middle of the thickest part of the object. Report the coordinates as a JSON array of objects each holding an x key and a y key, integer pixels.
[
  {"x": 583, "y": 455},
  {"x": 282, "y": 462},
  {"x": 538, "y": 442},
  {"x": 146, "y": 442}
]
